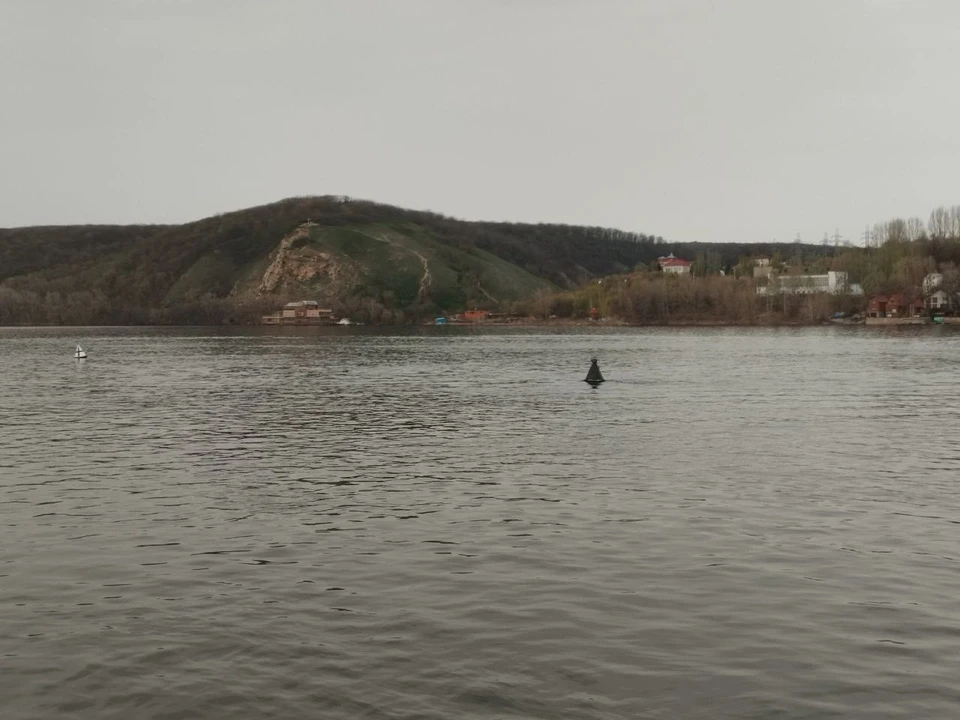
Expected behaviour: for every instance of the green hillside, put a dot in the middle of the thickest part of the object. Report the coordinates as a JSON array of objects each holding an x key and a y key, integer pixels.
[
  {"x": 371, "y": 261},
  {"x": 396, "y": 266}
]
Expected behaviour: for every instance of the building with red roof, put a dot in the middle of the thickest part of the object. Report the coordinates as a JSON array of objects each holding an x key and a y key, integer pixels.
[{"x": 671, "y": 264}]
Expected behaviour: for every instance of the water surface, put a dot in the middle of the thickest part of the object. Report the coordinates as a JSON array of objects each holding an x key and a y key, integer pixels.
[{"x": 300, "y": 523}]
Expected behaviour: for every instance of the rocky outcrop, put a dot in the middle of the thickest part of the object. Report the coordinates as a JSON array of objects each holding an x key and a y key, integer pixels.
[{"x": 295, "y": 262}]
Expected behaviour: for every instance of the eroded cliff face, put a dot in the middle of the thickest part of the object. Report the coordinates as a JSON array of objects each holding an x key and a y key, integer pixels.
[{"x": 296, "y": 264}]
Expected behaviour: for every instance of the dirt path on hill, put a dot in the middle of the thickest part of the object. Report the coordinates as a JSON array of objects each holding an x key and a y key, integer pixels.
[{"x": 426, "y": 280}]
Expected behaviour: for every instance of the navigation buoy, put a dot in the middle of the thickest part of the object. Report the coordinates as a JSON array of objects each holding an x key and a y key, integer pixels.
[{"x": 594, "y": 377}]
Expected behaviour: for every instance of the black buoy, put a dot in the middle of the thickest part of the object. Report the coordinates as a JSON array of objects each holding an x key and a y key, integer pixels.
[{"x": 594, "y": 377}]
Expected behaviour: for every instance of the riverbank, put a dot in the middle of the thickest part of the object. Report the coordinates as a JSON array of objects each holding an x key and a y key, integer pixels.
[
  {"x": 619, "y": 322},
  {"x": 533, "y": 322},
  {"x": 912, "y": 321},
  {"x": 681, "y": 323}
]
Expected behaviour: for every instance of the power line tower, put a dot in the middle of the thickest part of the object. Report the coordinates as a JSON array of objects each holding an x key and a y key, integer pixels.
[{"x": 836, "y": 238}]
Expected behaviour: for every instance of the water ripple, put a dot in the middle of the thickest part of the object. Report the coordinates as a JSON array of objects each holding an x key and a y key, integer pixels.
[{"x": 445, "y": 523}]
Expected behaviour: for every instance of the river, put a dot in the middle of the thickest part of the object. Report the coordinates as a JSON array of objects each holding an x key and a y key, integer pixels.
[{"x": 450, "y": 523}]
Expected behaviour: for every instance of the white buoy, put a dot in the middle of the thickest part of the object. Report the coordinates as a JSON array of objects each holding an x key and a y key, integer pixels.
[{"x": 80, "y": 354}]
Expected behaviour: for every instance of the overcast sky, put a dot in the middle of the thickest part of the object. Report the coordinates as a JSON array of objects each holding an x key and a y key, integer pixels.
[{"x": 711, "y": 120}]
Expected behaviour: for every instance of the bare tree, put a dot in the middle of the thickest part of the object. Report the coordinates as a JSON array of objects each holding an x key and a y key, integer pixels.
[
  {"x": 909, "y": 272},
  {"x": 953, "y": 223},
  {"x": 938, "y": 225},
  {"x": 879, "y": 234},
  {"x": 915, "y": 229},
  {"x": 541, "y": 303},
  {"x": 897, "y": 231},
  {"x": 951, "y": 278}
]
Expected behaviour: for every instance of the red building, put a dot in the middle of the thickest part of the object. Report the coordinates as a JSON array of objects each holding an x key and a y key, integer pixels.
[
  {"x": 895, "y": 305},
  {"x": 877, "y": 306}
]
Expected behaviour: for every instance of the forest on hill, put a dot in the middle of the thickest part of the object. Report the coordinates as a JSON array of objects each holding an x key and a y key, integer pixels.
[
  {"x": 373, "y": 262},
  {"x": 360, "y": 257}
]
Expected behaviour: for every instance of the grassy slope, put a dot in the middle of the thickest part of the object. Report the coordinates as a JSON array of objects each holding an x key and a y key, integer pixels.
[{"x": 387, "y": 260}]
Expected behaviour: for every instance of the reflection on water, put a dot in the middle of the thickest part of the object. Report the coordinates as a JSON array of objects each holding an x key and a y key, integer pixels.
[{"x": 446, "y": 523}]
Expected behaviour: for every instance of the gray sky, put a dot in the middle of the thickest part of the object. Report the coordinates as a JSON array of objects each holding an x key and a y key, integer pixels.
[{"x": 711, "y": 120}]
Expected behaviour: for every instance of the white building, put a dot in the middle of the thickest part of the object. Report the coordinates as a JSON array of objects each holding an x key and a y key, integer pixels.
[
  {"x": 834, "y": 282},
  {"x": 762, "y": 267},
  {"x": 675, "y": 265},
  {"x": 302, "y": 312},
  {"x": 938, "y": 300}
]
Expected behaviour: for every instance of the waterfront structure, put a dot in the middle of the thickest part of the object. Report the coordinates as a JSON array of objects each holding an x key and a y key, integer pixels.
[
  {"x": 302, "y": 312},
  {"x": 897, "y": 305},
  {"x": 877, "y": 306}
]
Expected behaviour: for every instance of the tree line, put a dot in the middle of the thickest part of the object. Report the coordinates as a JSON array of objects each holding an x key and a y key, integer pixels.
[
  {"x": 652, "y": 298},
  {"x": 897, "y": 256}
]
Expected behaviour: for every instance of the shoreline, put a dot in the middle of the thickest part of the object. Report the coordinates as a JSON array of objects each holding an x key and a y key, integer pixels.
[
  {"x": 518, "y": 323},
  {"x": 554, "y": 323}
]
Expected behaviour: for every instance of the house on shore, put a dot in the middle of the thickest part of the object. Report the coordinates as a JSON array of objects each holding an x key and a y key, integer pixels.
[
  {"x": 897, "y": 305},
  {"x": 930, "y": 297},
  {"x": 877, "y": 306},
  {"x": 474, "y": 316},
  {"x": 302, "y": 312},
  {"x": 939, "y": 301}
]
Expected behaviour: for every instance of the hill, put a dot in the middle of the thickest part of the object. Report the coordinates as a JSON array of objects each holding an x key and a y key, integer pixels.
[{"x": 370, "y": 261}]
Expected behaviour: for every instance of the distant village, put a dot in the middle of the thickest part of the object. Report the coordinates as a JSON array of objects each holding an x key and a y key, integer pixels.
[
  {"x": 929, "y": 302},
  {"x": 773, "y": 281}
]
